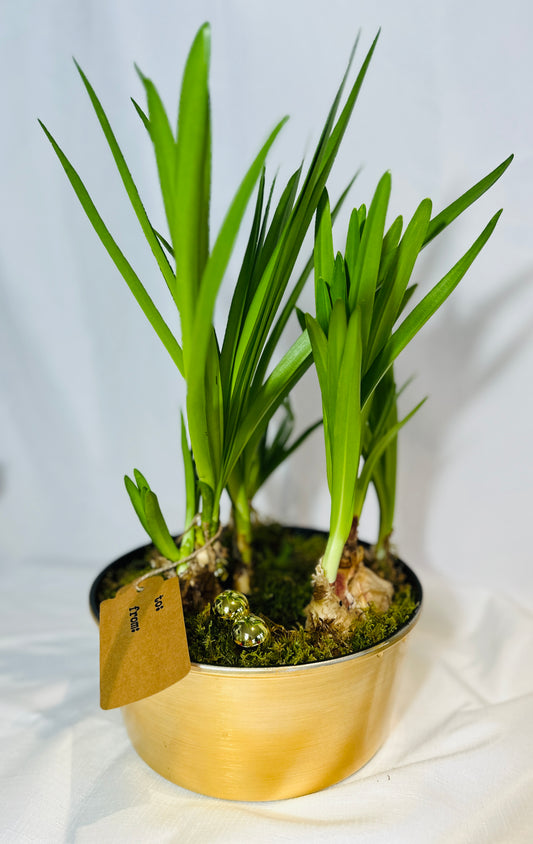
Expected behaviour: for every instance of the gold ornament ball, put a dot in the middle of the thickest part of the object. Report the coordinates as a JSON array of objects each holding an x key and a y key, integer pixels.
[
  {"x": 231, "y": 604},
  {"x": 249, "y": 631}
]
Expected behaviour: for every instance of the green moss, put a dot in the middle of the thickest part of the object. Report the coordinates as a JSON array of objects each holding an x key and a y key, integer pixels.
[
  {"x": 211, "y": 642},
  {"x": 281, "y": 588}
]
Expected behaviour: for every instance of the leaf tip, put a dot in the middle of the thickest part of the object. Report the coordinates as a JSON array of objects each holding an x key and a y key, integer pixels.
[
  {"x": 139, "y": 73},
  {"x": 205, "y": 30}
]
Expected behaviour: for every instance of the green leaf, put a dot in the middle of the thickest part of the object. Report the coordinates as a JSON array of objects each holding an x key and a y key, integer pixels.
[
  {"x": 452, "y": 211},
  {"x": 345, "y": 439},
  {"x": 190, "y": 229},
  {"x": 191, "y": 503},
  {"x": 389, "y": 253},
  {"x": 157, "y": 527},
  {"x": 337, "y": 134},
  {"x": 190, "y": 475},
  {"x": 202, "y": 330},
  {"x": 290, "y": 305},
  {"x": 407, "y": 298},
  {"x": 363, "y": 289},
  {"x": 319, "y": 345},
  {"x": 338, "y": 327},
  {"x": 339, "y": 287},
  {"x": 268, "y": 398},
  {"x": 214, "y": 405},
  {"x": 300, "y": 316},
  {"x": 353, "y": 240},
  {"x": 372, "y": 458},
  {"x": 164, "y": 148},
  {"x": 323, "y": 303},
  {"x": 135, "y": 498},
  {"x": 239, "y": 300},
  {"x": 140, "y": 480},
  {"x": 219, "y": 258},
  {"x": 164, "y": 242},
  {"x": 392, "y": 238},
  {"x": 391, "y": 295},
  {"x": 324, "y": 256},
  {"x": 273, "y": 283},
  {"x": 130, "y": 187},
  {"x": 423, "y": 311},
  {"x": 384, "y": 415},
  {"x": 147, "y": 508},
  {"x": 144, "y": 117},
  {"x": 124, "y": 267},
  {"x": 264, "y": 457},
  {"x": 278, "y": 225}
]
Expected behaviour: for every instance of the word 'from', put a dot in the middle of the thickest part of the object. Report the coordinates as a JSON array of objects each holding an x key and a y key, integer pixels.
[{"x": 134, "y": 613}]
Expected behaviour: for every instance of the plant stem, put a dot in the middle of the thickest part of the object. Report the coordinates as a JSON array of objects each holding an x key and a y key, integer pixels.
[
  {"x": 243, "y": 525},
  {"x": 332, "y": 555},
  {"x": 209, "y": 511}
]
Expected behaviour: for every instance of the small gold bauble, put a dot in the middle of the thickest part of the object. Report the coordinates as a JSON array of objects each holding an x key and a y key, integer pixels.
[
  {"x": 249, "y": 631},
  {"x": 231, "y": 604}
]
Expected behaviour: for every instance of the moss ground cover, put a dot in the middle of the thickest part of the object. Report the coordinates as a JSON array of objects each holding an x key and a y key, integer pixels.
[{"x": 283, "y": 561}]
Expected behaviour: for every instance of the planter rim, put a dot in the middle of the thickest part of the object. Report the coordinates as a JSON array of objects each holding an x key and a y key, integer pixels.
[{"x": 229, "y": 670}]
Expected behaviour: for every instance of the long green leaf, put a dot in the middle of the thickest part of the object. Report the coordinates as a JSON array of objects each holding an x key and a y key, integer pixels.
[
  {"x": 211, "y": 280},
  {"x": 223, "y": 247},
  {"x": 268, "y": 457},
  {"x": 353, "y": 239},
  {"x": 371, "y": 460},
  {"x": 346, "y": 441},
  {"x": 337, "y": 134},
  {"x": 239, "y": 300},
  {"x": 324, "y": 255},
  {"x": 392, "y": 293},
  {"x": 124, "y": 267},
  {"x": 319, "y": 345},
  {"x": 144, "y": 117},
  {"x": 323, "y": 303},
  {"x": 131, "y": 188},
  {"x": 452, "y": 211},
  {"x": 338, "y": 326},
  {"x": 423, "y": 311},
  {"x": 279, "y": 222},
  {"x": 363, "y": 286},
  {"x": 190, "y": 232},
  {"x": 164, "y": 147},
  {"x": 278, "y": 385},
  {"x": 290, "y": 304},
  {"x": 273, "y": 283},
  {"x": 187, "y": 542},
  {"x": 214, "y": 405}
]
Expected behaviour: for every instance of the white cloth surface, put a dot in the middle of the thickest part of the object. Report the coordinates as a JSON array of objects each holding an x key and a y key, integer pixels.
[{"x": 457, "y": 766}]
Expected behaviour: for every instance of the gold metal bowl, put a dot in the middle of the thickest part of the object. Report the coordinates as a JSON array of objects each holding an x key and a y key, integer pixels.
[{"x": 271, "y": 733}]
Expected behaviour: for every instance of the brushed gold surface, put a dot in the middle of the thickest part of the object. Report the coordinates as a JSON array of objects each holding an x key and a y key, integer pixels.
[{"x": 270, "y": 733}]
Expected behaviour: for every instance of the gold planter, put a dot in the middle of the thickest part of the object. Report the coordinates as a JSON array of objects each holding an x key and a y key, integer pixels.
[{"x": 271, "y": 733}]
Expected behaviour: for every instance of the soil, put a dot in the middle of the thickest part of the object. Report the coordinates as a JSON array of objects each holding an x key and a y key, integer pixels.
[{"x": 284, "y": 559}]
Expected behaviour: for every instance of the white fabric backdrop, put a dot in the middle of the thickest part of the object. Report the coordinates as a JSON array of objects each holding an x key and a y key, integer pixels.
[{"x": 87, "y": 393}]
